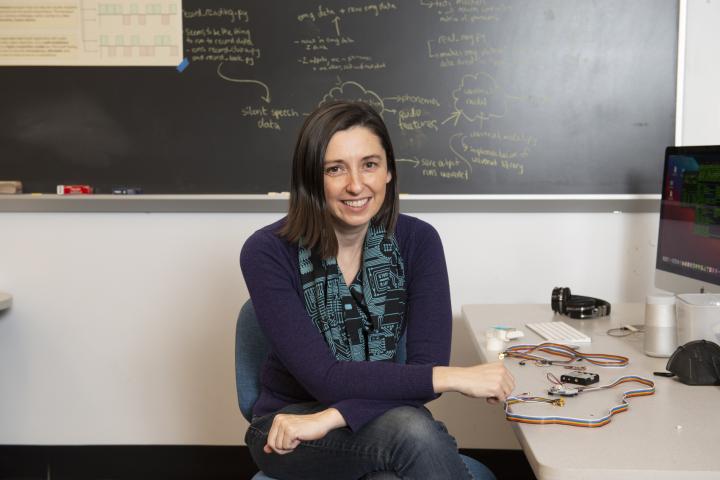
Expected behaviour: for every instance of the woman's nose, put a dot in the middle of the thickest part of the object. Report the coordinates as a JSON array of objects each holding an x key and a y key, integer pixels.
[{"x": 354, "y": 184}]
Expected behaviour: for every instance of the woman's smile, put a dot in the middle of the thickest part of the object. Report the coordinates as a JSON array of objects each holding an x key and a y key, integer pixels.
[{"x": 356, "y": 204}]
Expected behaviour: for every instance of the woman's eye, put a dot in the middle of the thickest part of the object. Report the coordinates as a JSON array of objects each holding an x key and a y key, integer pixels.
[
  {"x": 371, "y": 165},
  {"x": 334, "y": 170}
]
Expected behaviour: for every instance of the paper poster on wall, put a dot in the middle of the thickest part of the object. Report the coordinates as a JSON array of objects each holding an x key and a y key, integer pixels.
[{"x": 91, "y": 32}]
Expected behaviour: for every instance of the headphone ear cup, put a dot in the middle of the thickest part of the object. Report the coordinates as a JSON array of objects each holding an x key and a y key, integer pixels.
[{"x": 559, "y": 298}]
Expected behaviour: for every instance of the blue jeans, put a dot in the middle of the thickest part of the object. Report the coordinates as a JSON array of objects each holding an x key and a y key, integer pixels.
[{"x": 405, "y": 442}]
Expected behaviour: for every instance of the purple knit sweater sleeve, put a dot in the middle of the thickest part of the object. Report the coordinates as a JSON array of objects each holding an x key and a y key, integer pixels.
[{"x": 300, "y": 357}]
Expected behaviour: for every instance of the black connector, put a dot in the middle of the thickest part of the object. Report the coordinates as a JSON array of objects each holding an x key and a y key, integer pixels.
[{"x": 580, "y": 378}]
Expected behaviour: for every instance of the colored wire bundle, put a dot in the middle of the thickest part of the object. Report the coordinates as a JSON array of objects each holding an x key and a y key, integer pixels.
[
  {"x": 571, "y": 354},
  {"x": 579, "y": 422}
]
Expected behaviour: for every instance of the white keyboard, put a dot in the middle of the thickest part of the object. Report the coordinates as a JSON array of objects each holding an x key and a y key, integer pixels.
[{"x": 558, "y": 332}]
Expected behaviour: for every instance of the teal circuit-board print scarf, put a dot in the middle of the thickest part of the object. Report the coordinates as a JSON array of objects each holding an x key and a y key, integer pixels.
[{"x": 363, "y": 321}]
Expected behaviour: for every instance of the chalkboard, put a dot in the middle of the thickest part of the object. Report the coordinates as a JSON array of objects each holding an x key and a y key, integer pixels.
[{"x": 481, "y": 96}]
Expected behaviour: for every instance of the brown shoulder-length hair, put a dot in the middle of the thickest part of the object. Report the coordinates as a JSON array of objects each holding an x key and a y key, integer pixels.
[{"x": 308, "y": 219}]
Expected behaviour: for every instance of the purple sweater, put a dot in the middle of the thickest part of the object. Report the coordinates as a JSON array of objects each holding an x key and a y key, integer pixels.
[{"x": 300, "y": 366}]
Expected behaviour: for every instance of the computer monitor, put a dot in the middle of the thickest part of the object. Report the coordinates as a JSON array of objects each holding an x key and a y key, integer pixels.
[{"x": 688, "y": 251}]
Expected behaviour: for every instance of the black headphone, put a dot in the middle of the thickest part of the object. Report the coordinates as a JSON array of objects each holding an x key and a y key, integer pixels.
[{"x": 577, "y": 306}]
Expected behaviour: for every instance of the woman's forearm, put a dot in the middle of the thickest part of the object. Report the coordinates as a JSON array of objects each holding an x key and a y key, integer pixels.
[{"x": 489, "y": 380}]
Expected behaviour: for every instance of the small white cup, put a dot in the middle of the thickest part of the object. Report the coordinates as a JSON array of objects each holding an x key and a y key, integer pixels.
[
  {"x": 660, "y": 325},
  {"x": 494, "y": 340}
]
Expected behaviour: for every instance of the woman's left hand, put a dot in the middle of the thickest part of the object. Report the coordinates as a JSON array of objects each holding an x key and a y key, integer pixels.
[{"x": 287, "y": 430}]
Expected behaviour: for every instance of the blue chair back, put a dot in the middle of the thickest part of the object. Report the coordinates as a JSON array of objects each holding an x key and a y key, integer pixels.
[{"x": 251, "y": 350}]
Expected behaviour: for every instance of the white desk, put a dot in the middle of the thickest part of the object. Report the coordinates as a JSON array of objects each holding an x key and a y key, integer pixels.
[
  {"x": 5, "y": 300},
  {"x": 670, "y": 435}
]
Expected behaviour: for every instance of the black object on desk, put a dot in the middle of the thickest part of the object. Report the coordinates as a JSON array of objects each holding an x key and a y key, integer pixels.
[{"x": 696, "y": 363}]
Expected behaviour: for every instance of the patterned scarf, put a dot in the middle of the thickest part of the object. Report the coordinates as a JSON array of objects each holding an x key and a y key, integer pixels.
[{"x": 363, "y": 321}]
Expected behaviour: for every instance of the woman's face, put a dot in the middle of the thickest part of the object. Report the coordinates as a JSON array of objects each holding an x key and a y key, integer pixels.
[{"x": 356, "y": 175}]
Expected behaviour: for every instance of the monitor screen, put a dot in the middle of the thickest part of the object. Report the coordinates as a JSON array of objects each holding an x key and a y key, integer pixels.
[{"x": 688, "y": 255}]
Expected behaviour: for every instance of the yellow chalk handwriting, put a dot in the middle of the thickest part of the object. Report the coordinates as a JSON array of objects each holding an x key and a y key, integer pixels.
[
  {"x": 232, "y": 15},
  {"x": 411, "y": 119},
  {"x": 333, "y": 15},
  {"x": 341, "y": 64},
  {"x": 452, "y": 169},
  {"x": 221, "y": 44},
  {"x": 322, "y": 43},
  {"x": 466, "y": 11},
  {"x": 269, "y": 118},
  {"x": 374, "y": 9},
  {"x": 461, "y": 49},
  {"x": 494, "y": 149},
  {"x": 414, "y": 99}
]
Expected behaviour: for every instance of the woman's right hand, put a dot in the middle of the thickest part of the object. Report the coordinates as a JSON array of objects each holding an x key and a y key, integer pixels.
[
  {"x": 288, "y": 430},
  {"x": 488, "y": 380}
]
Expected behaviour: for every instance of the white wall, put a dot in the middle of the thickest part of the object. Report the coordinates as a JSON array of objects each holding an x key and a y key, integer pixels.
[
  {"x": 701, "y": 112},
  {"x": 122, "y": 326}
]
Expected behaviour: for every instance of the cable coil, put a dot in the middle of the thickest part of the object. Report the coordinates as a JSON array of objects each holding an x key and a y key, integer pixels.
[
  {"x": 571, "y": 354},
  {"x": 579, "y": 422}
]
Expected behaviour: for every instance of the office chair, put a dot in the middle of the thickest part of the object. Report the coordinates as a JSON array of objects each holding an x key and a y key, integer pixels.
[{"x": 251, "y": 349}]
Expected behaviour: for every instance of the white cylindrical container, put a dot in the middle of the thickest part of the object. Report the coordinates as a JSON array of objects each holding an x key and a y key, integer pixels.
[
  {"x": 660, "y": 325},
  {"x": 493, "y": 340}
]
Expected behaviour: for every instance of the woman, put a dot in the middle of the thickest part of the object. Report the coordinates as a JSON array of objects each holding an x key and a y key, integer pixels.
[{"x": 335, "y": 285}]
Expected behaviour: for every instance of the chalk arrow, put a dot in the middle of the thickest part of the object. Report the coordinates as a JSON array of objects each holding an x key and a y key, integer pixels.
[
  {"x": 238, "y": 80},
  {"x": 414, "y": 161},
  {"x": 455, "y": 116}
]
